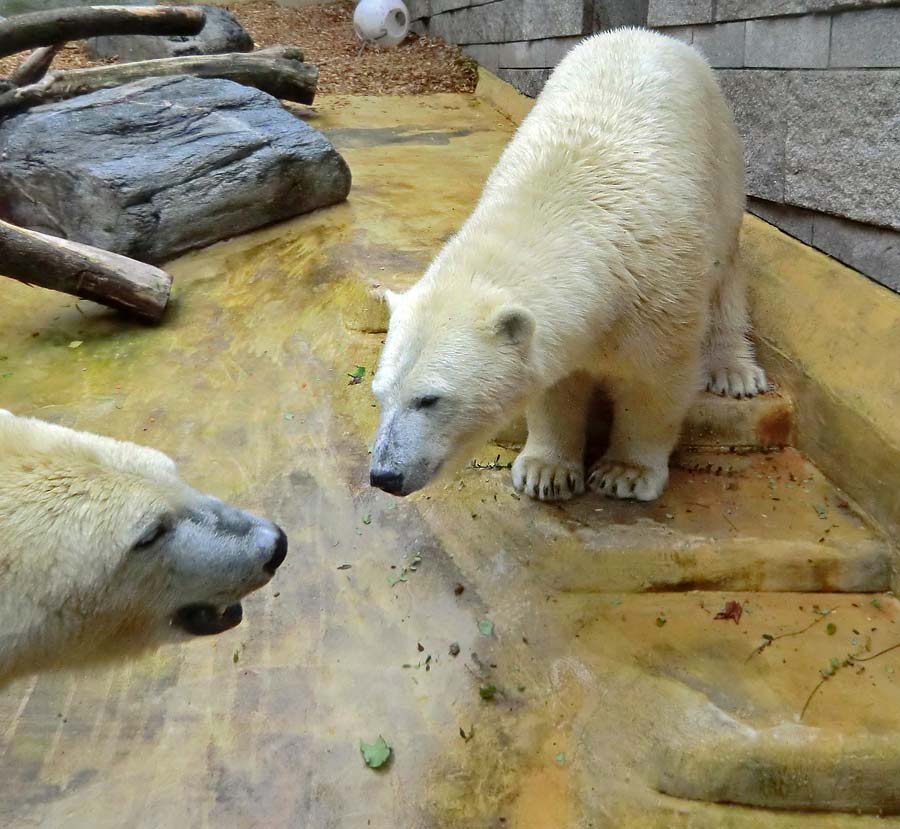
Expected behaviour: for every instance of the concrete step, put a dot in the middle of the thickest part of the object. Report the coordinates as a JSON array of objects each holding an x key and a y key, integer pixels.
[{"x": 728, "y": 521}]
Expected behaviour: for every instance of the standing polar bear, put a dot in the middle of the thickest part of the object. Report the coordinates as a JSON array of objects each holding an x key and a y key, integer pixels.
[
  {"x": 604, "y": 248},
  {"x": 104, "y": 550}
]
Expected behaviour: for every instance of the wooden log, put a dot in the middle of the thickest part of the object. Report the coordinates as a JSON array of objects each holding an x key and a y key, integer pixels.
[
  {"x": 281, "y": 77},
  {"x": 87, "y": 272},
  {"x": 28, "y": 31},
  {"x": 35, "y": 66}
]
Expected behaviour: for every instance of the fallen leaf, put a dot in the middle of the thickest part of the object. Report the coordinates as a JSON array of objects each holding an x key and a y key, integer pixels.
[
  {"x": 560, "y": 758},
  {"x": 76, "y": 343},
  {"x": 487, "y": 691},
  {"x": 486, "y": 627},
  {"x": 820, "y": 511},
  {"x": 344, "y": 566},
  {"x": 356, "y": 376},
  {"x": 660, "y": 621},
  {"x": 831, "y": 628},
  {"x": 454, "y": 649},
  {"x": 376, "y": 754},
  {"x": 468, "y": 736},
  {"x": 288, "y": 415},
  {"x": 367, "y": 518},
  {"x": 732, "y": 610}
]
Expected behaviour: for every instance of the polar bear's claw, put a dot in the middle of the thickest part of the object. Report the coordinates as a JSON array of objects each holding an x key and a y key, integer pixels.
[
  {"x": 744, "y": 380},
  {"x": 624, "y": 480},
  {"x": 547, "y": 480}
]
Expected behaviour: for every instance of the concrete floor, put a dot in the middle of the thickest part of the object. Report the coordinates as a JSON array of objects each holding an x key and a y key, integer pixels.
[{"x": 614, "y": 681}]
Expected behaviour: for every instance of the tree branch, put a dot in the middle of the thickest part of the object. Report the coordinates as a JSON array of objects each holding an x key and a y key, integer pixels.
[
  {"x": 28, "y": 31},
  {"x": 271, "y": 71},
  {"x": 85, "y": 271},
  {"x": 35, "y": 66}
]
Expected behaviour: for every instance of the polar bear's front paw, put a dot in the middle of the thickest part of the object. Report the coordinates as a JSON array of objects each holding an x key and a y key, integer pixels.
[
  {"x": 625, "y": 480},
  {"x": 742, "y": 380},
  {"x": 547, "y": 479}
]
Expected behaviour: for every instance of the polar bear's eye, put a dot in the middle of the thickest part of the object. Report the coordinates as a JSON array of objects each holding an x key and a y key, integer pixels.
[
  {"x": 426, "y": 402},
  {"x": 151, "y": 536}
]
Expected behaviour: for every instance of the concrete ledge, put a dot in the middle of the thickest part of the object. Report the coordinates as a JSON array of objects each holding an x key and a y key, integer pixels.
[
  {"x": 832, "y": 338},
  {"x": 502, "y": 96}
]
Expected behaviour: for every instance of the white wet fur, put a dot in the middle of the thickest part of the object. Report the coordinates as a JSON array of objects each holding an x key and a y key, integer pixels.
[{"x": 604, "y": 248}]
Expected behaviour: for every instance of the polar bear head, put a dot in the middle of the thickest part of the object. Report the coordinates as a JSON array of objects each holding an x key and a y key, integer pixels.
[
  {"x": 457, "y": 362},
  {"x": 103, "y": 549}
]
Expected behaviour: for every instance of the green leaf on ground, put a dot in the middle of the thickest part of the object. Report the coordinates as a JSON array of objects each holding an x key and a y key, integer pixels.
[
  {"x": 486, "y": 627},
  {"x": 487, "y": 691},
  {"x": 76, "y": 343},
  {"x": 367, "y": 518},
  {"x": 660, "y": 621},
  {"x": 820, "y": 511},
  {"x": 288, "y": 415},
  {"x": 376, "y": 754},
  {"x": 356, "y": 376},
  {"x": 560, "y": 759},
  {"x": 831, "y": 628}
]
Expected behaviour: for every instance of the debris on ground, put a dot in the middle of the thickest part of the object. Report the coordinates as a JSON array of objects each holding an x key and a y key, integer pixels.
[
  {"x": 732, "y": 610},
  {"x": 413, "y": 565},
  {"x": 376, "y": 754},
  {"x": 487, "y": 692},
  {"x": 486, "y": 627},
  {"x": 454, "y": 649},
  {"x": 470, "y": 735},
  {"x": 356, "y": 376},
  {"x": 419, "y": 65}
]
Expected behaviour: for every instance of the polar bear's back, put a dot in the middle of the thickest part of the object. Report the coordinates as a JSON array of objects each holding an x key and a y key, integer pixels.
[{"x": 630, "y": 157}]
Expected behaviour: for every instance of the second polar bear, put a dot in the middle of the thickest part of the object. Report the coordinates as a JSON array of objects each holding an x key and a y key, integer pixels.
[{"x": 604, "y": 248}]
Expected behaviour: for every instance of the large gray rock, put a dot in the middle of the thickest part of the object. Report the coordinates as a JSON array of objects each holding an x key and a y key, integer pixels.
[
  {"x": 221, "y": 33},
  {"x": 159, "y": 166}
]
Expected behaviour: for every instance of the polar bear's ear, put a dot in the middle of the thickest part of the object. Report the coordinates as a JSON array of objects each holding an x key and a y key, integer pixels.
[
  {"x": 513, "y": 324},
  {"x": 393, "y": 300}
]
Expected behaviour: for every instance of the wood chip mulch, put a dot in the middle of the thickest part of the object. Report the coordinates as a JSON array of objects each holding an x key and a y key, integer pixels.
[{"x": 419, "y": 65}]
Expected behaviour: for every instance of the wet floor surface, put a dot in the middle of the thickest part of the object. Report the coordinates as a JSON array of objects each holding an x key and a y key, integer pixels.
[{"x": 602, "y": 658}]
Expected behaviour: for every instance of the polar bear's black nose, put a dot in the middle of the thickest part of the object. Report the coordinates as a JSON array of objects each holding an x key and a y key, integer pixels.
[
  {"x": 391, "y": 482},
  {"x": 281, "y": 545}
]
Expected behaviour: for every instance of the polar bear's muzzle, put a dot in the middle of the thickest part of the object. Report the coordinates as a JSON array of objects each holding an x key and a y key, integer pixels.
[{"x": 207, "y": 620}]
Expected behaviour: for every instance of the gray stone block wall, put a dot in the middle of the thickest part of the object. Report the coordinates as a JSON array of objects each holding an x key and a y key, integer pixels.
[{"x": 815, "y": 86}]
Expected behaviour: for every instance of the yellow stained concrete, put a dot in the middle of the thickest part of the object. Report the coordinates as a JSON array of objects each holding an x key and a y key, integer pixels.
[
  {"x": 834, "y": 339},
  {"x": 602, "y": 695}
]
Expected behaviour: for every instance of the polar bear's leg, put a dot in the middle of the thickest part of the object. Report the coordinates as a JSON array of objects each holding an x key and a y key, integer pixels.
[
  {"x": 647, "y": 417},
  {"x": 551, "y": 466},
  {"x": 731, "y": 366}
]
